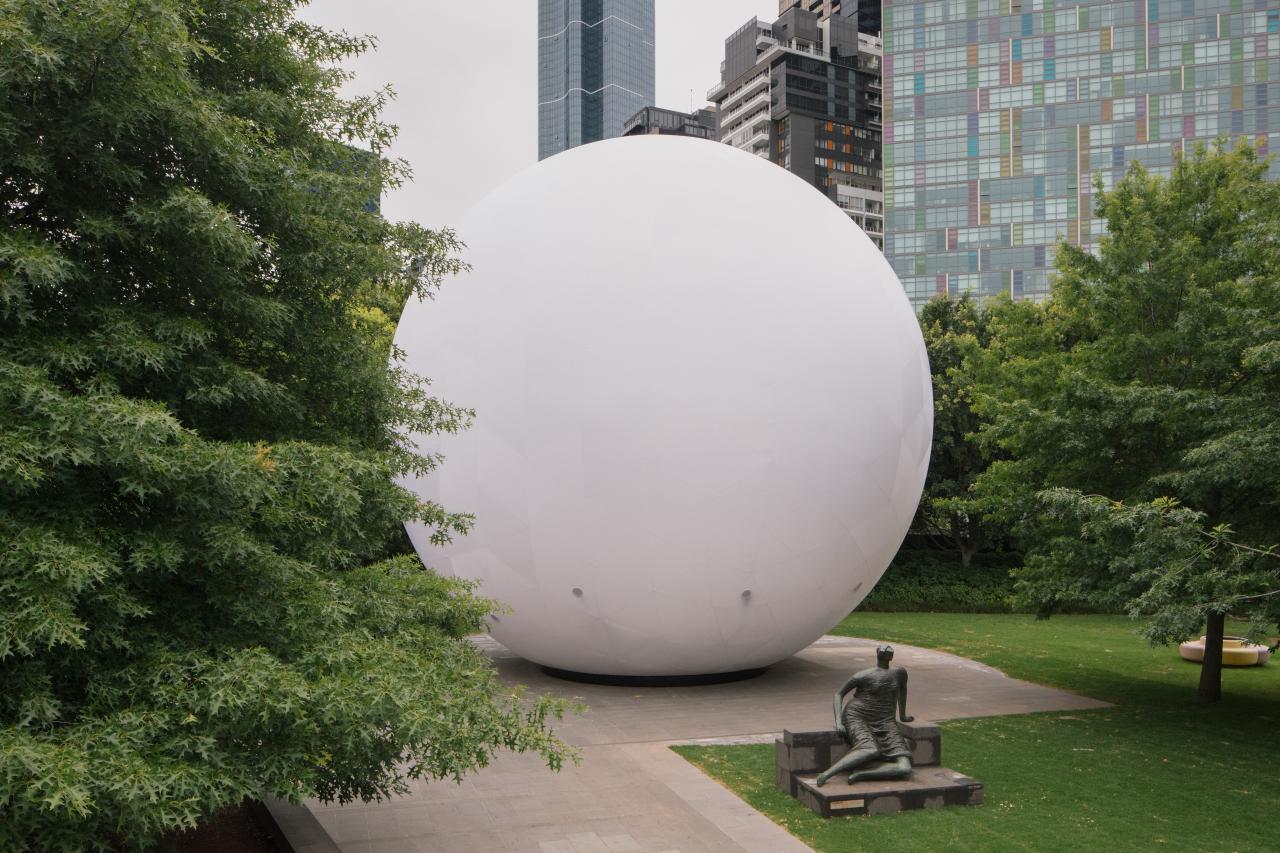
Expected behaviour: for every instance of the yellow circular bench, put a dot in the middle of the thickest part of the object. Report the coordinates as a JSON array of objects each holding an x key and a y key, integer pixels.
[{"x": 1236, "y": 651}]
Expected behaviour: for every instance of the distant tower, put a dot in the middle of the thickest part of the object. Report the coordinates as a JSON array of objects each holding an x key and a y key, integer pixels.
[
  {"x": 595, "y": 69},
  {"x": 866, "y": 12},
  {"x": 805, "y": 92}
]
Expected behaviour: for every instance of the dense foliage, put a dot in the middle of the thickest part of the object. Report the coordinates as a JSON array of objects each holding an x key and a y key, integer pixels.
[
  {"x": 1135, "y": 412},
  {"x": 921, "y": 579},
  {"x": 199, "y": 435},
  {"x": 949, "y": 511}
]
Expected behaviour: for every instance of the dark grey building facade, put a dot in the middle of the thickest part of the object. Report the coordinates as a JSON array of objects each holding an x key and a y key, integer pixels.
[
  {"x": 595, "y": 69},
  {"x": 866, "y": 13},
  {"x": 805, "y": 92},
  {"x": 700, "y": 124}
]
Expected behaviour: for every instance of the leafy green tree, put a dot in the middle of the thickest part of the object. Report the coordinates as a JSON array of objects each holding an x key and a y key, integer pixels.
[
  {"x": 199, "y": 432},
  {"x": 949, "y": 511},
  {"x": 1176, "y": 571},
  {"x": 1138, "y": 407}
]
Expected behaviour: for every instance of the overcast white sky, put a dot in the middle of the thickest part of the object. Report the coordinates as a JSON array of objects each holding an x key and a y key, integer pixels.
[{"x": 466, "y": 76}]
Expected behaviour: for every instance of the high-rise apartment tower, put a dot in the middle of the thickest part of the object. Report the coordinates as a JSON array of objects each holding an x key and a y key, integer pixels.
[
  {"x": 865, "y": 12},
  {"x": 1000, "y": 114},
  {"x": 595, "y": 69},
  {"x": 805, "y": 93}
]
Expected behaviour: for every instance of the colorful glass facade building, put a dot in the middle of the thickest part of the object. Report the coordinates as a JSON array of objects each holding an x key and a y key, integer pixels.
[{"x": 1000, "y": 113}]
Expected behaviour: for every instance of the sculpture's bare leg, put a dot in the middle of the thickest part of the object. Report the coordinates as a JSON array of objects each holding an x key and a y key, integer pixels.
[
  {"x": 899, "y": 769},
  {"x": 851, "y": 760}
]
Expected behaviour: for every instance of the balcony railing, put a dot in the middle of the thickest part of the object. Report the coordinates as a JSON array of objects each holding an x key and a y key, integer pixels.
[
  {"x": 732, "y": 113},
  {"x": 803, "y": 47},
  {"x": 711, "y": 93}
]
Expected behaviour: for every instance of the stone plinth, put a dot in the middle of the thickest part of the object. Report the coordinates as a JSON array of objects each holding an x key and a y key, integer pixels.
[
  {"x": 800, "y": 756},
  {"x": 812, "y": 752},
  {"x": 928, "y": 787}
]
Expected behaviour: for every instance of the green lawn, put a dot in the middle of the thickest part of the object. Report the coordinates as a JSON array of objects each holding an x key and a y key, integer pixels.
[{"x": 1157, "y": 772}]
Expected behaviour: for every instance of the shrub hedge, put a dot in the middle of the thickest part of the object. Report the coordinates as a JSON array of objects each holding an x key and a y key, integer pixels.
[{"x": 927, "y": 580}]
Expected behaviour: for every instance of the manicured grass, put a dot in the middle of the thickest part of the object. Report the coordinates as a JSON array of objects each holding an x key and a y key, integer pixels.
[{"x": 1157, "y": 772}]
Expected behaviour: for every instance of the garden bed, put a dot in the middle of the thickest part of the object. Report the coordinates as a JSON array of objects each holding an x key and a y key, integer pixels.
[{"x": 246, "y": 828}]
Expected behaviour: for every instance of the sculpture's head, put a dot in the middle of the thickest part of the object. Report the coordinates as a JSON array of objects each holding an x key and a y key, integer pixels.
[{"x": 884, "y": 654}]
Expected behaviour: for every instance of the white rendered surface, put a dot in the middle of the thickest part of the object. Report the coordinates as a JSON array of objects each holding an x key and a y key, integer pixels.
[{"x": 694, "y": 377}]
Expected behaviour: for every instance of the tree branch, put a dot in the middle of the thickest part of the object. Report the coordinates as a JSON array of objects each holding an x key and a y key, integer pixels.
[
  {"x": 1263, "y": 552},
  {"x": 1258, "y": 595},
  {"x": 97, "y": 59}
]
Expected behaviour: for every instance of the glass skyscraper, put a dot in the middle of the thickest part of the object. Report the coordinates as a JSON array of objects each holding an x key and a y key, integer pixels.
[
  {"x": 595, "y": 69},
  {"x": 999, "y": 113}
]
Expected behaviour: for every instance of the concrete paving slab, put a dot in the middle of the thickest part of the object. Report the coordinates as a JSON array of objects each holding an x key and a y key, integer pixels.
[{"x": 632, "y": 794}]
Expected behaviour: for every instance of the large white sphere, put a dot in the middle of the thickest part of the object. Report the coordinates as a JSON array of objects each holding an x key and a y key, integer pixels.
[{"x": 703, "y": 409}]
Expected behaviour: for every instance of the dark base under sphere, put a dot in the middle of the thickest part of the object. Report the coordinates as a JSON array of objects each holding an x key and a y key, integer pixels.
[{"x": 655, "y": 680}]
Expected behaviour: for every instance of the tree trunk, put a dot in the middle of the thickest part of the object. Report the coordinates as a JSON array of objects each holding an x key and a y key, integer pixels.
[
  {"x": 968, "y": 545},
  {"x": 1211, "y": 669}
]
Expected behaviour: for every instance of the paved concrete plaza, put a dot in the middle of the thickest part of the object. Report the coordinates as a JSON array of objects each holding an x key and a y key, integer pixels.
[{"x": 631, "y": 792}]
